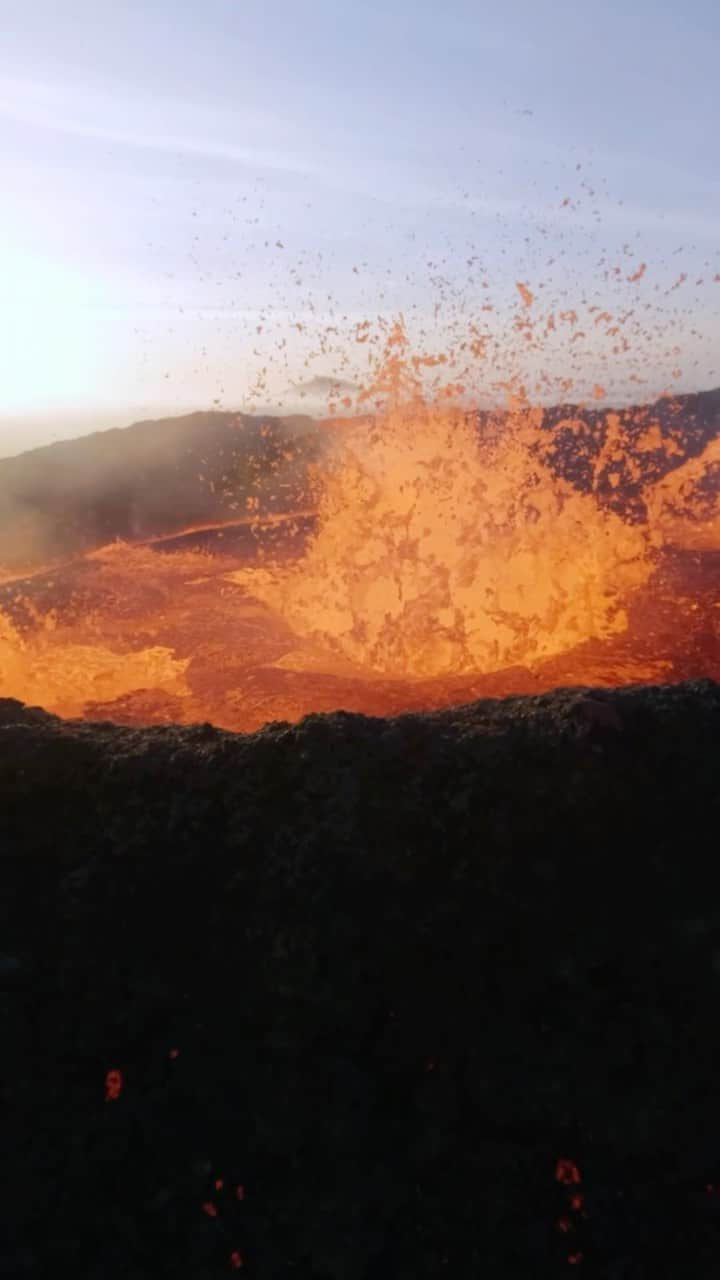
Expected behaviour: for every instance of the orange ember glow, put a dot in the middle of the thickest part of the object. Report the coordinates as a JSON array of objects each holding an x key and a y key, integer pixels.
[
  {"x": 436, "y": 556},
  {"x": 113, "y": 1085},
  {"x": 567, "y": 1172}
]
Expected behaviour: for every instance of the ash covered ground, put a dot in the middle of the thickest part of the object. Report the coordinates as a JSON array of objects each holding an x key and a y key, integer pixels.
[{"x": 437, "y": 993}]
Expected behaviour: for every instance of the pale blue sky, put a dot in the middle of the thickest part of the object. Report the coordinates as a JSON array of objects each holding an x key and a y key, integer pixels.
[{"x": 155, "y": 153}]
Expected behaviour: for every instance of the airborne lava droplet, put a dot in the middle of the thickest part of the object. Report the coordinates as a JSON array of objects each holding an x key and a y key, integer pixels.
[
  {"x": 567, "y": 1172},
  {"x": 526, "y": 294},
  {"x": 113, "y": 1085},
  {"x": 236, "y": 1259}
]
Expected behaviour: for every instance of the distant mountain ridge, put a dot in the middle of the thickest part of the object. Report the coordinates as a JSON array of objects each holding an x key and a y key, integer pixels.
[
  {"x": 149, "y": 479},
  {"x": 160, "y": 476}
]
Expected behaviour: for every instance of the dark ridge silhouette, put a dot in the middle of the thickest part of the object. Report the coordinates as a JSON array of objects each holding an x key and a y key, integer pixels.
[
  {"x": 686, "y": 423},
  {"x": 151, "y": 479},
  {"x": 437, "y": 993}
]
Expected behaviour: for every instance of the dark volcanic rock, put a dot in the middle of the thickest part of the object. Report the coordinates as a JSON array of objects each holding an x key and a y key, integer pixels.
[
  {"x": 411, "y": 984},
  {"x": 651, "y": 441}
]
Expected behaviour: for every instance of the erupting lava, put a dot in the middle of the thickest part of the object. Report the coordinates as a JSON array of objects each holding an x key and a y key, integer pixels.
[
  {"x": 440, "y": 554},
  {"x": 448, "y": 556}
]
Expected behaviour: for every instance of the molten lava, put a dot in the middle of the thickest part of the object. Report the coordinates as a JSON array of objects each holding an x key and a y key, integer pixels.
[
  {"x": 447, "y": 557},
  {"x": 438, "y": 554}
]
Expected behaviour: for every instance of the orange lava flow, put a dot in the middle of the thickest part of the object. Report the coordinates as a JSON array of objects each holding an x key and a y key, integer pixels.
[{"x": 445, "y": 558}]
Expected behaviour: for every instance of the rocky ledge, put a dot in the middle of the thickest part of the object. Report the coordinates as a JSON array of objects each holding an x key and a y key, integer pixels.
[{"x": 360, "y": 998}]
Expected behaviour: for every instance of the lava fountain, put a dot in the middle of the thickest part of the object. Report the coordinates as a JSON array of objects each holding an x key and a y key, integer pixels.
[{"x": 439, "y": 553}]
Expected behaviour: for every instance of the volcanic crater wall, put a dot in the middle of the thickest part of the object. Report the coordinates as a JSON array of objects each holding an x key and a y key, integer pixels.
[{"x": 434, "y": 995}]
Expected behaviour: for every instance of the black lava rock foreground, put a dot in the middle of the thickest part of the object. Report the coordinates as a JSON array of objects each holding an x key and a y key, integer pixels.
[{"x": 354, "y": 999}]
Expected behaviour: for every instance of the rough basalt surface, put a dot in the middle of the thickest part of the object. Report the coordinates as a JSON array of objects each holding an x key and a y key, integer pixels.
[{"x": 438, "y": 993}]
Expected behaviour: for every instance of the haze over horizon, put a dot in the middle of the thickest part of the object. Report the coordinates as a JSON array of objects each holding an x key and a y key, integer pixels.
[{"x": 194, "y": 197}]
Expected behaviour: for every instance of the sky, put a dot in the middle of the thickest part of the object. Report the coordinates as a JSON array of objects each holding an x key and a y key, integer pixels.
[{"x": 203, "y": 201}]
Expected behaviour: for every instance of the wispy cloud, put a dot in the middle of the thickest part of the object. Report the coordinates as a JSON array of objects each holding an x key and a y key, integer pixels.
[
  {"x": 85, "y": 114},
  {"x": 259, "y": 139}
]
